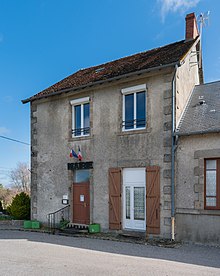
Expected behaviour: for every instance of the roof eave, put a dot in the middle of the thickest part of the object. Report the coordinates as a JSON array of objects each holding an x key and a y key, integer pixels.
[
  {"x": 198, "y": 132},
  {"x": 31, "y": 99}
]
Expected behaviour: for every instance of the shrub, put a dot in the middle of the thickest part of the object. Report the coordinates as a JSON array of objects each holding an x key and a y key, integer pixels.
[{"x": 20, "y": 206}]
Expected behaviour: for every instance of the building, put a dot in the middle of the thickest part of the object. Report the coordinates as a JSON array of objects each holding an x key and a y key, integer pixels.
[
  {"x": 123, "y": 116},
  {"x": 197, "y": 170}
]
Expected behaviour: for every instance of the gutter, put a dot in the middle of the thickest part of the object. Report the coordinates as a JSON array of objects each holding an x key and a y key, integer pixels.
[
  {"x": 67, "y": 90},
  {"x": 198, "y": 132},
  {"x": 174, "y": 140},
  {"x": 173, "y": 147}
]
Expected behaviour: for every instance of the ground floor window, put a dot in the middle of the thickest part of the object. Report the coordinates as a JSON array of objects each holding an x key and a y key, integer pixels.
[{"x": 212, "y": 183}]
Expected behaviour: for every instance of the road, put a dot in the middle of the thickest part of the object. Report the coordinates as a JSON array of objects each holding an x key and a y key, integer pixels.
[{"x": 29, "y": 253}]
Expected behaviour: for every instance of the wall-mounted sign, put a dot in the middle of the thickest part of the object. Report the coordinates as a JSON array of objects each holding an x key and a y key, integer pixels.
[
  {"x": 80, "y": 166},
  {"x": 65, "y": 201},
  {"x": 81, "y": 198}
]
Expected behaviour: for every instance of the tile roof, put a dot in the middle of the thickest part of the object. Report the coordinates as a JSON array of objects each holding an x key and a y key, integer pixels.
[
  {"x": 157, "y": 57},
  {"x": 202, "y": 113}
]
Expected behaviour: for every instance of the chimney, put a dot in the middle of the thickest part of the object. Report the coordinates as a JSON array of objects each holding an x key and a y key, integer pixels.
[{"x": 191, "y": 27}]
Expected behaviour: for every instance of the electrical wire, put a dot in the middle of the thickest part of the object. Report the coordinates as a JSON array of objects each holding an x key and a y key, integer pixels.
[{"x": 14, "y": 140}]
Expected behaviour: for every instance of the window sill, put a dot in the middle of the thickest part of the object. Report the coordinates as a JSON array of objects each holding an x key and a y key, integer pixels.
[
  {"x": 134, "y": 131},
  {"x": 80, "y": 138}
]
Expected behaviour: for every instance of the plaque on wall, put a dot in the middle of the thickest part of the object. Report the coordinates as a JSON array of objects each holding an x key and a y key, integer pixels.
[{"x": 80, "y": 166}]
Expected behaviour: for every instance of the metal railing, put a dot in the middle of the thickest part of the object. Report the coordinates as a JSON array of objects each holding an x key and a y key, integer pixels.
[
  {"x": 136, "y": 123},
  {"x": 81, "y": 131},
  {"x": 58, "y": 219}
]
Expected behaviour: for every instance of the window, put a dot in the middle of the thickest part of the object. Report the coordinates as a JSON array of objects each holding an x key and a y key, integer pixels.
[
  {"x": 212, "y": 184},
  {"x": 134, "y": 107},
  {"x": 81, "y": 176},
  {"x": 80, "y": 117}
]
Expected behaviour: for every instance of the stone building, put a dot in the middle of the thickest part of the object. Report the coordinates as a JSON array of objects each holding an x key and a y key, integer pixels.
[
  {"x": 198, "y": 167},
  {"x": 122, "y": 115}
]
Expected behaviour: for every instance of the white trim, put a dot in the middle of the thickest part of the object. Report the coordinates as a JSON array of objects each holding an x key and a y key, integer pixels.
[
  {"x": 132, "y": 89},
  {"x": 79, "y": 101},
  {"x": 140, "y": 181}
]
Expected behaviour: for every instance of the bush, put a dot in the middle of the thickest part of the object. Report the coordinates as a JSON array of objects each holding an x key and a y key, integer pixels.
[{"x": 20, "y": 206}]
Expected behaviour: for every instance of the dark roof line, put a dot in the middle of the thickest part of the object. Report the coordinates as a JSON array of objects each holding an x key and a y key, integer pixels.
[
  {"x": 154, "y": 59},
  {"x": 209, "y": 83},
  {"x": 217, "y": 130},
  {"x": 71, "y": 89}
]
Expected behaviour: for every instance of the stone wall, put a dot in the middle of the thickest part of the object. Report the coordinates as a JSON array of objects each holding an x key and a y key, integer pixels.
[{"x": 193, "y": 221}]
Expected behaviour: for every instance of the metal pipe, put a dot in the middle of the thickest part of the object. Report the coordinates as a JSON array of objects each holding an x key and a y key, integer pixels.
[{"x": 173, "y": 156}]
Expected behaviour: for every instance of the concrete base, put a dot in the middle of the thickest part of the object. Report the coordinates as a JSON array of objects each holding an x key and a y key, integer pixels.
[{"x": 198, "y": 228}]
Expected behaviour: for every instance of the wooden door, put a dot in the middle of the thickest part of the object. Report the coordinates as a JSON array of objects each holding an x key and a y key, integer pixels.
[
  {"x": 81, "y": 203},
  {"x": 115, "y": 199},
  {"x": 153, "y": 199}
]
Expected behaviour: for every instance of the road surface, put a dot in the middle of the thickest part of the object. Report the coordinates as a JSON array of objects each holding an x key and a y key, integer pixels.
[{"x": 29, "y": 253}]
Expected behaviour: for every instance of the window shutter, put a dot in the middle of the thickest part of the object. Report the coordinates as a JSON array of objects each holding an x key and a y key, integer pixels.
[
  {"x": 115, "y": 199},
  {"x": 153, "y": 199}
]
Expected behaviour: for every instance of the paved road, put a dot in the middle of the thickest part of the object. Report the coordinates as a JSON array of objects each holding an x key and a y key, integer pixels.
[{"x": 28, "y": 253}]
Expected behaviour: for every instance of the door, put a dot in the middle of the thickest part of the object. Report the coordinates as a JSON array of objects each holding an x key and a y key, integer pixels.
[
  {"x": 153, "y": 199},
  {"x": 134, "y": 193},
  {"x": 115, "y": 199},
  {"x": 81, "y": 203}
]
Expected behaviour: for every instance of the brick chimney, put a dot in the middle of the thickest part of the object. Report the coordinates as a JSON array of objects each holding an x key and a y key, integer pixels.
[{"x": 191, "y": 27}]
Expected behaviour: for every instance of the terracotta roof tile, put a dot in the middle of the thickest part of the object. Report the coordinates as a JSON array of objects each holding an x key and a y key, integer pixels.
[{"x": 146, "y": 60}]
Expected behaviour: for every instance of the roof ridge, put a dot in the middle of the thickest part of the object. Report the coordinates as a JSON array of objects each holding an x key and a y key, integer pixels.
[
  {"x": 131, "y": 55},
  {"x": 212, "y": 82}
]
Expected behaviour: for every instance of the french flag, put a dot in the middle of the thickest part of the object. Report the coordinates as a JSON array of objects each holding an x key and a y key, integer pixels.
[
  {"x": 73, "y": 154},
  {"x": 79, "y": 155}
]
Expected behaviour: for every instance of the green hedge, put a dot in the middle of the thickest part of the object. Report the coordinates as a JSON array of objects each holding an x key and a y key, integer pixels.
[{"x": 20, "y": 206}]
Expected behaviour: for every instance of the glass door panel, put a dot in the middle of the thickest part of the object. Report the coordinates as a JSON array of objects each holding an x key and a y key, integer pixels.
[{"x": 139, "y": 203}]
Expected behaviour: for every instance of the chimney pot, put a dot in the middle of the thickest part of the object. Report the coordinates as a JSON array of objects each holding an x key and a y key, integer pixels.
[{"x": 191, "y": 27}]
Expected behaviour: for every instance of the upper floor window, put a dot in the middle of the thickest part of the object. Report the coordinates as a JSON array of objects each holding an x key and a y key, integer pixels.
[
  {"x": 80, "y": 117},
  {"x": 134, "y": 107},
  {"x": 212, "y": 184}
]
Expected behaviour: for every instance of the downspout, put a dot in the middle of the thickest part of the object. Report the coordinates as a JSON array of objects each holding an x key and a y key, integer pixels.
[{"x": 173, "y": 155}]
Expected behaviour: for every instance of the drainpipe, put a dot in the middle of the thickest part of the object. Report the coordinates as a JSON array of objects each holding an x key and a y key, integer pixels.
[{"x": 173, "y": 156}]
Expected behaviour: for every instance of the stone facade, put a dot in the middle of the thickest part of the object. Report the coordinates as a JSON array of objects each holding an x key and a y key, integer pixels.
[
  {"x": 107, "y": 146},
  {"x": 194, "y": 223}
]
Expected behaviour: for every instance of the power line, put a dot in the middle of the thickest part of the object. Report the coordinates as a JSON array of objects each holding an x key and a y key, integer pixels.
[{"x": 14, "y": 140}]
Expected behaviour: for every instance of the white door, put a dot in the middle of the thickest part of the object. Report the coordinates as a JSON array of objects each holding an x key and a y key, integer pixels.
[{"x": 134, "y": 194}]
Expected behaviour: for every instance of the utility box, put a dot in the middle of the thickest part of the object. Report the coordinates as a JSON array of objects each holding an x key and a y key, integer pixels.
[
  {"x": 94, "y": 228},
  {"x": 35, "y": 224},
  {"x": 27, "y": 224}
]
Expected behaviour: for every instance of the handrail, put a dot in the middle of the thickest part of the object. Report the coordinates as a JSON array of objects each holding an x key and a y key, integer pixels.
[{"x": 54, "y": 218}]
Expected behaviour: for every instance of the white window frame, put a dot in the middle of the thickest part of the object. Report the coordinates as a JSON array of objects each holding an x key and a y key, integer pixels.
[
  {"x": 133, "y": 90},
  {"x": 81, "y": 102}
]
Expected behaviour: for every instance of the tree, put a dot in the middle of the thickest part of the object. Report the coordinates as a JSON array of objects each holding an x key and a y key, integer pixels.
[
  {"x": 21, "y": 178},
  {"x": 20, "y": 206},
  {"x": 6, "y": 196}
]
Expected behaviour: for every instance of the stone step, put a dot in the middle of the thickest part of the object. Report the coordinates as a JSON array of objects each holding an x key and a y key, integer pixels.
[{"x": 78, "y": 226}]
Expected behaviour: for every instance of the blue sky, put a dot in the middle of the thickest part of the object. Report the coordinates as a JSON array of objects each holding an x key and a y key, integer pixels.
[{"x": 43, "y": 41}]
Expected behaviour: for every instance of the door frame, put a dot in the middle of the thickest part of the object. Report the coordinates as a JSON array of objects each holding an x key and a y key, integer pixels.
[
  {"x": 87, "y": 206},
  {"x": 132, "y": 186}
]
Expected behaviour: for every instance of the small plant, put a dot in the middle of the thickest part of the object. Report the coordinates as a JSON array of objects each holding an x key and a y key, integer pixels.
[
  {"x": 20, "y": 206},
  {"x": 63, "y": 223}
]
